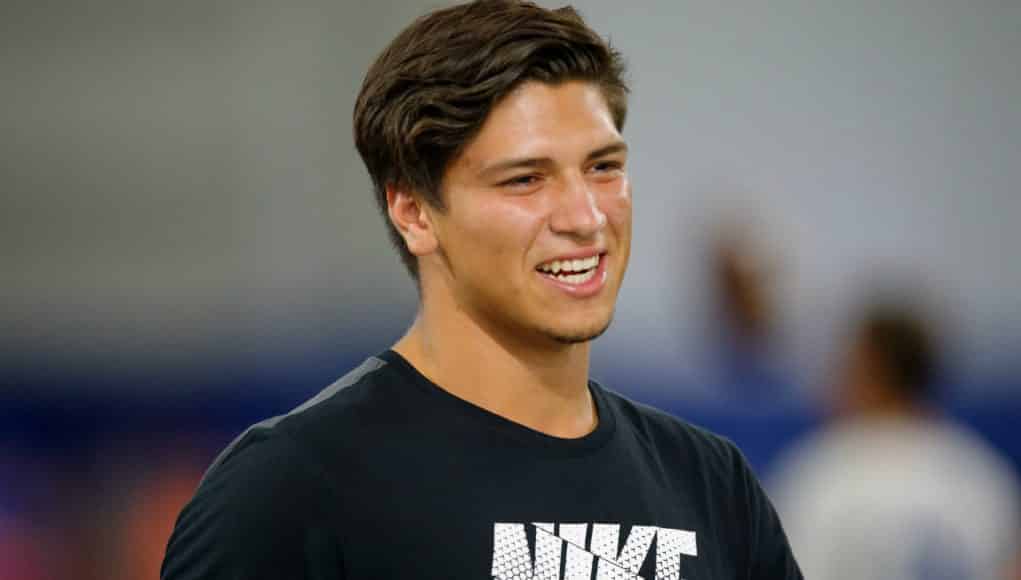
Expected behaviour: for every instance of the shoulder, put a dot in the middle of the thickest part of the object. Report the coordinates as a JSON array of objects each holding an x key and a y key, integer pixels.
[
  {"x": 259, "y": 515},
  {"x": 675, "y": 439},
  {"x": 711, "y": 469},
  {"x": 276, "y": 463},
  {"x": 333, "y": 415},
  {"x": 266, "y": 503}
]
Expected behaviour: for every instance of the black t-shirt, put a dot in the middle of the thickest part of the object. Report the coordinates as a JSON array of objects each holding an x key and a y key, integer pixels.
[{"x": 386, "y": 475}]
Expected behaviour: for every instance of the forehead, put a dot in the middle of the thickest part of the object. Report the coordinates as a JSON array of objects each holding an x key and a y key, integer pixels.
[{"x": 539, "y": 119}]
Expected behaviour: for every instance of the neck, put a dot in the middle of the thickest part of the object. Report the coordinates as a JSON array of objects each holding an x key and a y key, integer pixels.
[
  {"x": 896, "y": 408},
  {"x": 536, "y": 382},
  {"x": 880, "y": 402}
]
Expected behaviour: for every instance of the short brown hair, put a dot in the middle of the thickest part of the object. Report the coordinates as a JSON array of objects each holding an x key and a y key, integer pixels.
[
  {"x": 428, "y": 94},
  {"x": 904, "y": 348}
]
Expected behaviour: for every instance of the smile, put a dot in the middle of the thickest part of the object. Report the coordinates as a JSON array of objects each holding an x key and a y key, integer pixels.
[{"x": 575, "y": 272}]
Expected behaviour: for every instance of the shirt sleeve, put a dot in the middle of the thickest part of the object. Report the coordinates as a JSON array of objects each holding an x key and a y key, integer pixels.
[
  {"x": 263, "y": 513},
  {"x": 769, "y": 553}
]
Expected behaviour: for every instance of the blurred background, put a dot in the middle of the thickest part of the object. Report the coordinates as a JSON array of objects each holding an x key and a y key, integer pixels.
[{"x": 190, "y": 243}]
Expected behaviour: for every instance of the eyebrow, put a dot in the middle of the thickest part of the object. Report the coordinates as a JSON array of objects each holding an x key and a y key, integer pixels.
[{"x": 533, "y": 162}]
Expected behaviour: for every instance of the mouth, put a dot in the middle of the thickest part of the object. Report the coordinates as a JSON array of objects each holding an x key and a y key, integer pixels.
[{"x": 577, "y": 273}]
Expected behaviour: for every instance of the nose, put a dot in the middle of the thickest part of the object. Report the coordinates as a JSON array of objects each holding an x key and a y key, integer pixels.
[{"x": 577, "y": 212}]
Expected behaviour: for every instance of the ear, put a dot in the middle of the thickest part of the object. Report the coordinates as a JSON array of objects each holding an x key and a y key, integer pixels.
[{"x": 410, "y": 215}]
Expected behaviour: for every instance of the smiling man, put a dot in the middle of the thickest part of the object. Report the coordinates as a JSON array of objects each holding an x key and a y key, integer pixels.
[{"x": 478, "y": 446}]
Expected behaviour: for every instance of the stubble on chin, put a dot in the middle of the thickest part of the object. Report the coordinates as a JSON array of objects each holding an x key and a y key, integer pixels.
[{"x": 577, "y": 337}]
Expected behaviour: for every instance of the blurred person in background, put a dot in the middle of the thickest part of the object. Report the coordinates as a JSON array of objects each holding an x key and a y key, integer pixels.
[
  {"x": 892, "y": 489},
  {"x": 477, "y": 447},
  {"x": 743, "y": 277}
]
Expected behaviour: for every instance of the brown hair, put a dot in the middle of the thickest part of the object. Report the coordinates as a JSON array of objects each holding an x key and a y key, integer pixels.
[
  {"x": 903, "y": 346},
  {"x": 428, "y": 94}
]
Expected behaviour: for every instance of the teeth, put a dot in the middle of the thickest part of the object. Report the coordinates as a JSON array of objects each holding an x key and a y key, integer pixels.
[
  {"x": 556, "y": 266},
  {"x": 576, "y": 278}
]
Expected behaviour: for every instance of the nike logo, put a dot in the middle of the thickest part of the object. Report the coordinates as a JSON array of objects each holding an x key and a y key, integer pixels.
[{"x": 571, "y": 552}]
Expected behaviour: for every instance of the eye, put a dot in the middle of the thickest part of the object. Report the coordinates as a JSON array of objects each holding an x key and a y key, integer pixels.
[
  {"x": 608, "y": 166},
  {"x": 520, "y": 181}
]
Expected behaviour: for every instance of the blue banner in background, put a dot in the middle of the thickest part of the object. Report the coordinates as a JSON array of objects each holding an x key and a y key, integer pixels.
[{"x": 65, "y": 418}]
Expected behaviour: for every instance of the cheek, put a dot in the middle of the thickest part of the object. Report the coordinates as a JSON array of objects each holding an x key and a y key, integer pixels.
[
  {"x": 616, "y": 204},
  {"x": 500, "y": 230}
]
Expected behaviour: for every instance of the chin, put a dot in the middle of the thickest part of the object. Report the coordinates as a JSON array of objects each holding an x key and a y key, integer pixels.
[{"x": 576, "y": 335}]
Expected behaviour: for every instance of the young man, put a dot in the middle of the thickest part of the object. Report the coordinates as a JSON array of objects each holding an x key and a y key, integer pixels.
[{"x": 478, "y": 447}]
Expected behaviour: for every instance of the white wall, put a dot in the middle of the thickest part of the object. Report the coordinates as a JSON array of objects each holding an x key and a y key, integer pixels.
[{"x": 180, "y": 182}]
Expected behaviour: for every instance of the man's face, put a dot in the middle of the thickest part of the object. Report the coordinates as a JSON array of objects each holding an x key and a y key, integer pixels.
[{"x": 536, "y": 232}]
